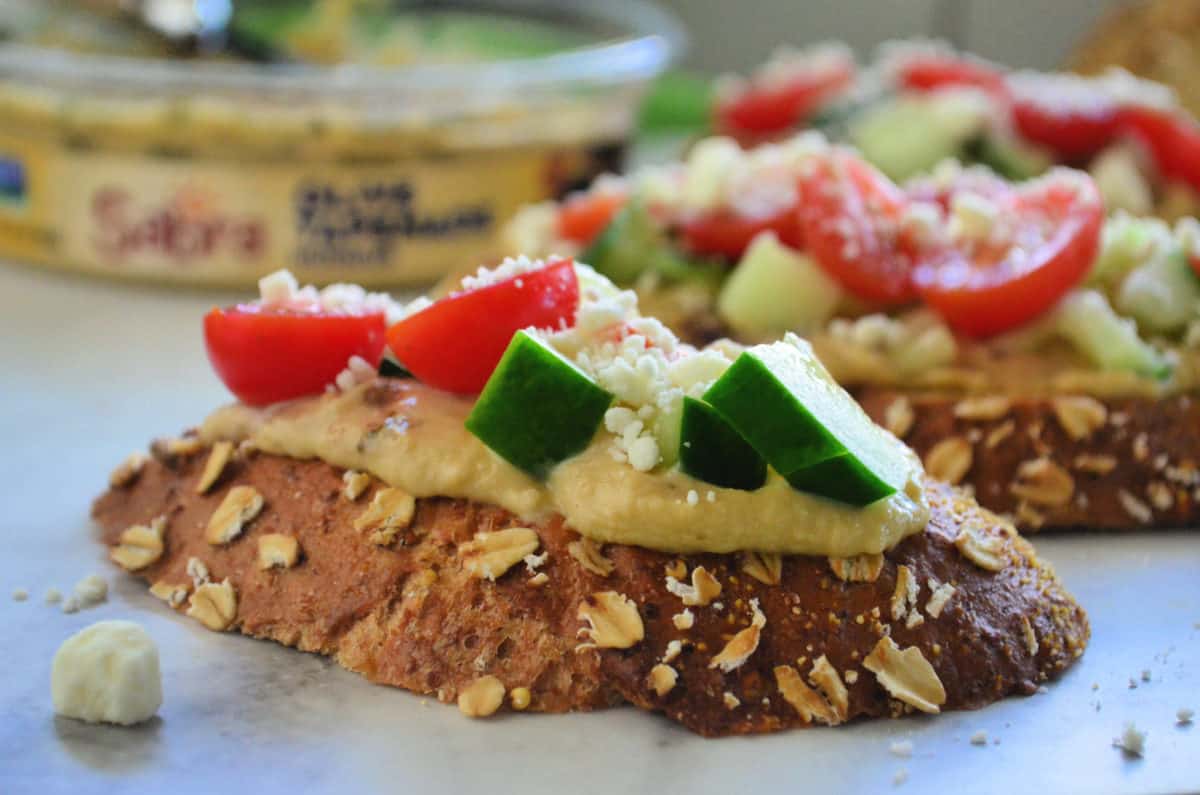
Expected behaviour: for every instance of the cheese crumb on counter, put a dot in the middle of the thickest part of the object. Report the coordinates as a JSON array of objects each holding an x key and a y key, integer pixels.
[
  {"x": 1131, "y": 741},
  {"x": 89, "y": 592},
  {"x": 903, "y": 748},
  {"x": 979, "y": 738},
  {"x": 107, "y": 673}
]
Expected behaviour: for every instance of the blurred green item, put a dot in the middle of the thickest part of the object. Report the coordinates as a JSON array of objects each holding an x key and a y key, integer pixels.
[{"x": 678, "y": 102}]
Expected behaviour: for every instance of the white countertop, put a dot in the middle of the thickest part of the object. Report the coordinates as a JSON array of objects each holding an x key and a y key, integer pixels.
[{"x": 91, "y": 371}]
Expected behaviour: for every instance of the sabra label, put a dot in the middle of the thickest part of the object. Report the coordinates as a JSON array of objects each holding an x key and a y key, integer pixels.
[{"x": 175, "y": 218}]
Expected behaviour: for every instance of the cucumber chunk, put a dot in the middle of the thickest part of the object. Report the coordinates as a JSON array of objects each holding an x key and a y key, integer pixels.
[
  {"x": 714, "y": 452},
  {"x": 910, "y": 135},
  {"x": 1008, "y": 157},
  {"x": 776, "y": 289},
  {"x": 632, "y": 244},
  {"x": 1088, "y": 322},
  {"x": 782, "y": 400},
  {"x": 538, "y": 408}
]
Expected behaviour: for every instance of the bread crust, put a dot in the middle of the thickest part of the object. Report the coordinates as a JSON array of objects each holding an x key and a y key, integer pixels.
[
  {"x": 411, "y": 616},
  {"x": 1137, "y": 468}
]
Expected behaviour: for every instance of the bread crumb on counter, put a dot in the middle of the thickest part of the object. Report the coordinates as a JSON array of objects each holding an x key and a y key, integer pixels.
[
  {"x": 1184, "y": 715},
  {"x": 902, "y": 748},
  {"x": 979, "y": 738},
  {"x": 20, "y": 594}
]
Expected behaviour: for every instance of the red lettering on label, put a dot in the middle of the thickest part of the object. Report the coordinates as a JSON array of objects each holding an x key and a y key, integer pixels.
[{"x": 121, "y": 232}]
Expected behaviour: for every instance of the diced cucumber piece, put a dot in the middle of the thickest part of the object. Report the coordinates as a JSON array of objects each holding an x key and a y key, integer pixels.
[
  {"x": 1086, "y": 319},
  {"x": 911, "y": 134},
  {"x": 782, "y": 400},
  {"x": 1163, "y": 295},
  {"x": 1121, "y": 180},
  {"x": 776, "y": 289},
  {"x": 632, "y": 244},
  {"x": 1007, "y": 156},
  {"x": 1126, "y": 243},
  {"x": 714, "y": 452},
  {"x": 538, "y": 408}
]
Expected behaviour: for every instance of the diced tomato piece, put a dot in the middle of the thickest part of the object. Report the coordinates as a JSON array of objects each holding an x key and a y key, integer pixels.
[
  {"x": 850, "y": 216},
  {"x": 456, "y": 343},
  {"x": 936, "y": 71},
  {"x": 764, "y": 109},
  {"x": 727, "y": 233},
  {"x": 582, "y": 217},
  {"x": 1172, "y": 140},
  {"x": 265, "y": 355},
  {"x": 1048, "y": 238}
]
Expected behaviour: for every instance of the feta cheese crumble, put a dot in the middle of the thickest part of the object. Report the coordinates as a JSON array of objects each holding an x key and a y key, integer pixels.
[{"x": 1131, "y": 741}]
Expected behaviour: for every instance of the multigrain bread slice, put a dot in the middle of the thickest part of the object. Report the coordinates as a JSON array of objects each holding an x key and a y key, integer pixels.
[
  {"x": 1068, "y": 461},
  {"x": 953, "y": 618}
]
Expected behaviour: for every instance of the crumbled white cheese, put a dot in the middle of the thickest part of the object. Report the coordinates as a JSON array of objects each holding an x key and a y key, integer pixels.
[
  {"x": 901, "y": 748},
  {"x": 979, "y": 738},
  {"x": 673, "y": 650},
  {"x": 107, "y": 673},
  {"x": 693, "y": 498},
  {"x": 281, "y": 290},
  {"x": 711, "y": 496},
  {"x": 534, "y": 562},
  {"x": 972, "y": 216},
  {"x": 923, "y": 221},
  {"x": 731, "y": 701},
  {"x": 1131, "y": 741},
  {"x": 711, "y": 163},
  {"x": 684, "y": 620},
  {"x": 358, "y": 371},
  {"x": 88, "y": 592},
  {"x": 278, "y": 288},
  {"x": 510, "y": 268}
]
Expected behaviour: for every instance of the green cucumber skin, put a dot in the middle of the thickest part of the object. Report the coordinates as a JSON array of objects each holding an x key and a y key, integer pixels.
[
  {"x": 631, "y": 245},
  {"x": 842, "y": 478},
  {"x": 765, "y": 413},
  {"x": 714, "y": 452},
  {"x": 537, "y": 409}
]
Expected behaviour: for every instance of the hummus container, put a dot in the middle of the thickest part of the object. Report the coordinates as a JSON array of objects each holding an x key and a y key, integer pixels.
[{"x": 215, "y": 172}]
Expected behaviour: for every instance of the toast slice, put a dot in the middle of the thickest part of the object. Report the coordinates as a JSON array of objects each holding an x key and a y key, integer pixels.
[{"x": 955, "y": 617}]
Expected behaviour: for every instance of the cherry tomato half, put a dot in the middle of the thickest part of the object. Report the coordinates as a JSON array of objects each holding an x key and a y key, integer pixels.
[
  {"x": 1074, "y": 134},
  {"x": 766, "y": 109},
  {"x": 456, "y": 343},
  {"x": 727, "y": 233},
  {"x": 265, "y": 355},
  {"x": 1173, "y": 142},
  {"x": 582, "y": 217},
  {"x": 850, "y": 219},
  {"x": 934, "y": 71},
  {"x": 1051, "y": 235}
]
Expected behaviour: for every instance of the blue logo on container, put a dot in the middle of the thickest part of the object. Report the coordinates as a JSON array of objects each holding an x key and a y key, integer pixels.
[{"x": 12, "y": 180}]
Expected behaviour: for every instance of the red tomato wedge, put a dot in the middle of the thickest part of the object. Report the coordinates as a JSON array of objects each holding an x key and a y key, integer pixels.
[
  {"x": 456, "y": 343},
  {"x": 727, "y": 233},
  {"x": 1173, "y": 142},
  {"x": 850, "y": 220},
  {"x": 1074, "y": 134},
  {"x": 765, "y": 109},
  {"x": 945, "y": 70},
  {"x": 582, "y": 217},
  {"x": 265, "y": 355},
  {"x": 1048, "y": 238}
]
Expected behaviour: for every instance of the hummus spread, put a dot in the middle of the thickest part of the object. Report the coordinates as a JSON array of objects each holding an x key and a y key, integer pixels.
[{"x": 412, "y": 436}]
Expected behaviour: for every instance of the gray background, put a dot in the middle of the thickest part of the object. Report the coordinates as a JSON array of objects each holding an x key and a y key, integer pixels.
[{"x": 737, "y": 35}]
